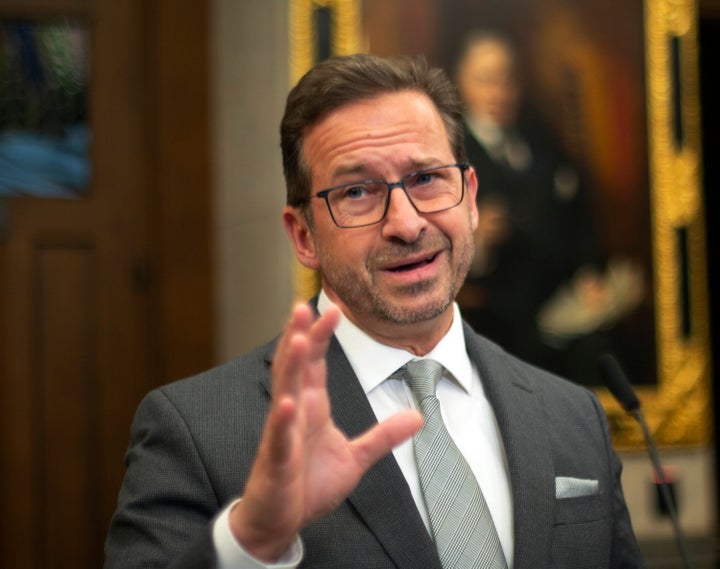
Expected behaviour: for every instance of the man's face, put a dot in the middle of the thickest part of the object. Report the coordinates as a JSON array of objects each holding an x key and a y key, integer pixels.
[
  {"x": 487, "y": 83},
  {"x": 407, "y": 269}
]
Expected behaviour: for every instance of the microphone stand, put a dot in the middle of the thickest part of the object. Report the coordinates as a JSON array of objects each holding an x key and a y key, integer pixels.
[{"x": 664, "y": 489}]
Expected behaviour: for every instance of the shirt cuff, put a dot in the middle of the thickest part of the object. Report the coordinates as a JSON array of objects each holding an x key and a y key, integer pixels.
[{"x": 231, "y": 555}]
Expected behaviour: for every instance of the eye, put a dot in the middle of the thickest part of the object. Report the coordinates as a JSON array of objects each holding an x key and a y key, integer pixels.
[
  {"x": 424, "y": 178},
  {"x": 353, "y": 192},
  {"x": 421, "y": 179}
]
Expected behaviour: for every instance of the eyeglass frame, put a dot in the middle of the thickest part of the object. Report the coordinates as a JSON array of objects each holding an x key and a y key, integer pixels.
[{"x": 462, "y": 166}]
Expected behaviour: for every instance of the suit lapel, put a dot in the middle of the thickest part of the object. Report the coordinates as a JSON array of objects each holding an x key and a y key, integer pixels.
[
  {"x": 382, "y": 498},
  {"x": 522, "y": 428}
]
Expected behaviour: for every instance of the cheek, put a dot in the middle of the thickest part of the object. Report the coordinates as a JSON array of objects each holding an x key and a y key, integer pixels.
[
  {"x": 340, "y": 250},
  {"x": 464, "y": 230}
]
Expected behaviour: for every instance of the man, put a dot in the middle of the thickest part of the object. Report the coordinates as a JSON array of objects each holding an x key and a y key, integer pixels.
[{"x": 312, "y": 466}]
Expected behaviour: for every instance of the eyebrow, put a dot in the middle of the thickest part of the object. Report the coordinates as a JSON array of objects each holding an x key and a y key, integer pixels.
[
  {"x": 349, "y": 169},
  {"x": 360, "y": 169}
]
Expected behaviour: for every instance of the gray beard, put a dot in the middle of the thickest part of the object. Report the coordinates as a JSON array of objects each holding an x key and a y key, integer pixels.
[
  {"x": 371, "y": 304},
  {"x": 400, "y": 315}
]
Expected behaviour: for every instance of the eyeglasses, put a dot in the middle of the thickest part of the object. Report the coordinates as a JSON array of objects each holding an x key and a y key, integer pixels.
[{"x": 366, "y": 203}]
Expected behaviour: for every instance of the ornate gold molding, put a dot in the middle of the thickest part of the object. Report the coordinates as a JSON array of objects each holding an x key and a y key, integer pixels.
[
  {"x": 345, "y": 36},
  {"x": 678, "y": 409},
  {"x": 344, "y": 39}
]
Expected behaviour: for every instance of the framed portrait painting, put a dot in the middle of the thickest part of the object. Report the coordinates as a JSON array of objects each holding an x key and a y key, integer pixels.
[{"x": 583, "y": 129}]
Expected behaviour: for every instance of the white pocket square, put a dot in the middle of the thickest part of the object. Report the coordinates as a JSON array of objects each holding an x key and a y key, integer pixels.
[{"x": 569, "y": 487}]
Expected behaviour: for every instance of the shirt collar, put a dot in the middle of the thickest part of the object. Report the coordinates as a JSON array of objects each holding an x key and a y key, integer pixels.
[{"x": 373, "y": 362}]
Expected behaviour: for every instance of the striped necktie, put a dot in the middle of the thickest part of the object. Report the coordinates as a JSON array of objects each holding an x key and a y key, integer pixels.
[{"x": 462, "y": 525}]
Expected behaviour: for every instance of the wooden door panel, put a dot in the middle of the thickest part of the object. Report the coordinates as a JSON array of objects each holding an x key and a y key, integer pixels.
[
  {"x": 108, "y": 295},
  {"x": 64, "y": 388},
  {"x": 75, "y": 328}
]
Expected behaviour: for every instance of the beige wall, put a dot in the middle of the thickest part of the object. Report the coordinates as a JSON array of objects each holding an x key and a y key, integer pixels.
[
  {"x": 254, "y": 280},
  {"x": 694, "y": 487},
  {"x": 253, "y": 257}
]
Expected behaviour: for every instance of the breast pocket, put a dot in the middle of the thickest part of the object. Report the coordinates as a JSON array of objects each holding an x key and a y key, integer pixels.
[
  {"x": 581, "y": 533},
  {"x": 581, "y": 509}
]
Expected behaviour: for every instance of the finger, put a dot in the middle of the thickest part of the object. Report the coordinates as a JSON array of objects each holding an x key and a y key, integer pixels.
[
  {"x": 299, "y": 322},
  {"x": 281, "y": 430},
  {"x": 290, "y": 352},
  {"x": 278, "y": 434},
  {"x": 289, "y": 369},
  {"x": 322, "y": 331},
  {"x": 378, "y": 441},
  {"x": 303, "y": 345}
]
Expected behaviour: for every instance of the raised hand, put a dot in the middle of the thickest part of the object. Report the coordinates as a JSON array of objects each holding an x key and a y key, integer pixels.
[{"x": 305, "y": 466}]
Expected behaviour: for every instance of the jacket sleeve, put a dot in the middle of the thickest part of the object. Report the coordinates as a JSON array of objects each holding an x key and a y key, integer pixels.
[
  {"x": 625, "y": 553},
  {"x": 166, "y": 502}
]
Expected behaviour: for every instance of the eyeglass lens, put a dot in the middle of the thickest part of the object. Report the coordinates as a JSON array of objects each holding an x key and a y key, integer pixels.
[{"x": 365, "y": 203}]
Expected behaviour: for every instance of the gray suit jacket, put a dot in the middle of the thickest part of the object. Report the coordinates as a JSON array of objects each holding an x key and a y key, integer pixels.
[{"x": 193, "y": 442}]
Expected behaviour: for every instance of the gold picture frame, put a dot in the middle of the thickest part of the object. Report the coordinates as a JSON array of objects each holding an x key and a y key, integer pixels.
[
  {"x": 344, "y": 38},
  {"x": 678, "y": 406}
]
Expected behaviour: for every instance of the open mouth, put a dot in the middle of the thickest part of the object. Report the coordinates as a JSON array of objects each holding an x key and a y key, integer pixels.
[{"x": 413, "y": 266}]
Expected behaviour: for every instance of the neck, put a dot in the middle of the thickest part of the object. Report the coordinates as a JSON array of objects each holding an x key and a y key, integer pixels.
[{"x": 418, "y": 338}]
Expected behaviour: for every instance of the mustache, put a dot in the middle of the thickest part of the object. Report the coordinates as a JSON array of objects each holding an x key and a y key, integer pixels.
[{"x": 398, "y": 251}]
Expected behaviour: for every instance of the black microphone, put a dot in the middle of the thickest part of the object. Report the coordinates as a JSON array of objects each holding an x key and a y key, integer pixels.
[
  {"x": 618, "y": 383},
  {"x": 621, "y": 388}
]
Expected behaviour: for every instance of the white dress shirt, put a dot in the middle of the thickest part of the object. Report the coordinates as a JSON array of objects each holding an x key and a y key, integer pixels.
[{"x": 466, "y": 411}]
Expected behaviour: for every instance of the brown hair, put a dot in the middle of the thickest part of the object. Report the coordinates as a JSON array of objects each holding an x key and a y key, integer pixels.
[{"x": 345, "y": 79}]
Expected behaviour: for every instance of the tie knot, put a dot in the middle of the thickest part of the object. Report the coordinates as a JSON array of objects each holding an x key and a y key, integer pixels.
[{"x": 422, "y": 376}]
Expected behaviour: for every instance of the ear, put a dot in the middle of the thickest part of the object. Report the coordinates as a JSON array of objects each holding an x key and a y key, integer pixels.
[
  {"x": 471, "y": 186},
  {"x": 300, "y": 236}
]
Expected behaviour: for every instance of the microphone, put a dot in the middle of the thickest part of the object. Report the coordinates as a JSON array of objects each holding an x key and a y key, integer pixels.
[
  {"x": 618, "y": 383},
  {"x": 621, "y": 388}
]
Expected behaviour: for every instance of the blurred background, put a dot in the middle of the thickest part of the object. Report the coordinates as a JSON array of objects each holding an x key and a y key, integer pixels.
[{"x": 140, "y": 235}]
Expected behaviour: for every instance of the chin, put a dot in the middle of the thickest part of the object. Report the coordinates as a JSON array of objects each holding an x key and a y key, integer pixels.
[{"x": 415, "y": 311}]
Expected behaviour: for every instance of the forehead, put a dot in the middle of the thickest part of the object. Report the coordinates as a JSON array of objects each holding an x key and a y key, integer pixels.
[{"x": 392, "y": 130}]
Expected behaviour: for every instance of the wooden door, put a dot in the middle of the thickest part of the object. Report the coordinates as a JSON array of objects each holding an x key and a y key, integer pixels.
[{"x": 94, "y": 292}]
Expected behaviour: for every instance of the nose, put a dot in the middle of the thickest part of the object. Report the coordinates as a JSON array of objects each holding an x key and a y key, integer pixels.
[{"x": 402, "y": 221}]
